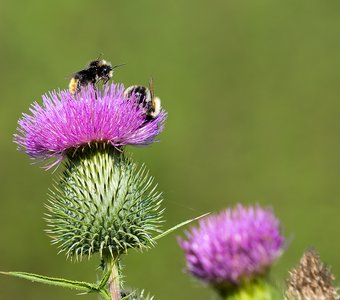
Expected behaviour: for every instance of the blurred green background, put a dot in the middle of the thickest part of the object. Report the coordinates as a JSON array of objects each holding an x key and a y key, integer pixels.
[{"x": 252, "y": 91}]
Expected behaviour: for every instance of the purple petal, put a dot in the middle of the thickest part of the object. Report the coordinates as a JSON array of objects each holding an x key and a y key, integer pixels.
[{"x": 65, "y": 121}]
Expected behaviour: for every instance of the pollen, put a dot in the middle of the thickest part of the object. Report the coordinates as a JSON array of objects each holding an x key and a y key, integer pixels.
[{"x": 73, "y": 85}]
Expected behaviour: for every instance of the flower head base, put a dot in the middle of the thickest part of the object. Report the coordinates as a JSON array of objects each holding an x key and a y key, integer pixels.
[
  {"x": 233, "y": 247},
  {"x": 67, "y": 121},
  {"x": 103, "y": 204}
]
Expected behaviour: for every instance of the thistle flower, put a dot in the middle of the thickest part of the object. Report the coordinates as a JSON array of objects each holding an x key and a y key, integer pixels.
[
  {"x": 311, "y": 279},
  {"x": 233, "y": 247},
  {"x": 102, "y": 202},
  {"x": 65, "y": 122}
]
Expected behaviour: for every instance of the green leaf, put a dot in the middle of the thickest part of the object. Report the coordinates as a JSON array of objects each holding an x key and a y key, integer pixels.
[
  {"x": 79, "y": 285},
  {"x": 163, "y": 234},
  {"x": 103, "y": 282}
]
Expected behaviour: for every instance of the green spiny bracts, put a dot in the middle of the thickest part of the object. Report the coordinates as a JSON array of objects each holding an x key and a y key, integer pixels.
[
  {"x": 103, "y": 203},
  {"x": 258, "y": 289}
]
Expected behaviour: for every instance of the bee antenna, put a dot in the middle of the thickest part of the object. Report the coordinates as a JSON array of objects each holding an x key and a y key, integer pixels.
[
  {"x": 100, "y": 56},
  {"x": 151, "y": 87},
  {"x": 117, "y": 66}
]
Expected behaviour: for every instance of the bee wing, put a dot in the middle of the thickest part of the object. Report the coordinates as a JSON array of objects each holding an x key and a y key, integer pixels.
[{"x": 70, "y": 76}]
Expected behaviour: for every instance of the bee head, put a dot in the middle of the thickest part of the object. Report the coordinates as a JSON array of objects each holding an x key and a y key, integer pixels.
[{"x": 105, "y": 71}]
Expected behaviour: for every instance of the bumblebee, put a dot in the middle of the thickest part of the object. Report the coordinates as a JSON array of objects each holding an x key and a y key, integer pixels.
[
  {"x": 146, "y": 99},
  {"x": 97, "y": 70}
]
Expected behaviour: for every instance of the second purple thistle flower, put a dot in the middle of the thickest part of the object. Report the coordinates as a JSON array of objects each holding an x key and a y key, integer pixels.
[
  {"x": 65, "y": 122},
  {"x": 234, "y": 246}
]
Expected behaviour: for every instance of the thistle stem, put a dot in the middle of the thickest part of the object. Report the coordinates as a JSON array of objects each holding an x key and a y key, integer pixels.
[{"x": 114, "y": 283}]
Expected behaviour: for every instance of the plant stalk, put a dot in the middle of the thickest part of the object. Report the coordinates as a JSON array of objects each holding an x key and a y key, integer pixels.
[{"x": 114, "y": 284}]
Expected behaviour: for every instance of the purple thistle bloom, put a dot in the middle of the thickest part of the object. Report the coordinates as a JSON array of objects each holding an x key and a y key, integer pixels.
[
  {"x": 233, "y": 246},
  {"x": 66, "y": 121}
]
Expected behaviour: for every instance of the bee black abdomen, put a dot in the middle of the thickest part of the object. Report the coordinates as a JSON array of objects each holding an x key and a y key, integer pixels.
[
  {"x": 141, "y": 93},
  {"x": 86, "y": 76}
]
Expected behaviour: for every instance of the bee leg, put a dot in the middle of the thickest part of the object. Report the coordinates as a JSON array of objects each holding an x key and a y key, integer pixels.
[
  {"x": 78, "y": 86},
  {"x": 94, "y": 84}
]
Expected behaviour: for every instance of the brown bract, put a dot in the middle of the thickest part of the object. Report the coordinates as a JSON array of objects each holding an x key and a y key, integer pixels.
[{"x": 311, "y": 280}]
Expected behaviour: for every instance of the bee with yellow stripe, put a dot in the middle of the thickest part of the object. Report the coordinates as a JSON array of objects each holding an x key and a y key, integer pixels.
[{"x": 97, "y": 70}]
